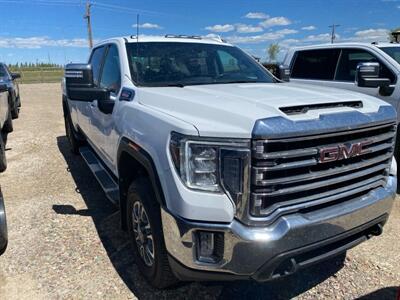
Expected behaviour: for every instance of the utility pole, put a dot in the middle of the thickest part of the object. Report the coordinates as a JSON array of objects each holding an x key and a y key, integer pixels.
[
  {"x": 333, "y": 34},
  {"x": 87, "y": 16}
]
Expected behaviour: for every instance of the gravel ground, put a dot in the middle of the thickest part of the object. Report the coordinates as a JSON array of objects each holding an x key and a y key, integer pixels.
[{"x": 65, "y": 241}]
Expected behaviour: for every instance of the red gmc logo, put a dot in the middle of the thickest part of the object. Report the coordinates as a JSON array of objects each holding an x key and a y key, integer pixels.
[{"x": 343, "y": 151}]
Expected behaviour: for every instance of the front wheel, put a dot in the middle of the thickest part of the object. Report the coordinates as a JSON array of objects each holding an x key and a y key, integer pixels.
[
  {"x": 144, "y": 226},
  {"x": 15, "y": 110},
  {"x": 69, "y": 131},
  {"x": 8, "y": 125}
]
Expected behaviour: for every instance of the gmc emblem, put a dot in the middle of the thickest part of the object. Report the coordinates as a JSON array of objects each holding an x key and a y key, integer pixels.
[{"x": 343, "y": 151}]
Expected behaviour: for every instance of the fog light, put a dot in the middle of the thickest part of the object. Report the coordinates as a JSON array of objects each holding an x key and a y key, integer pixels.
[{"x": 210, "y": 246}]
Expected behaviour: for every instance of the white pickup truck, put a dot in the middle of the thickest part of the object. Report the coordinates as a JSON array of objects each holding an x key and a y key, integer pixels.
[
  {"x": 221, "y": 171},
  {"x": 336, "y": 65}
]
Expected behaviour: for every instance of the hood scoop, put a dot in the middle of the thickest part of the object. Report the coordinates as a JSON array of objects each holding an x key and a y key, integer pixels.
[{"x": 303, "y": 109}]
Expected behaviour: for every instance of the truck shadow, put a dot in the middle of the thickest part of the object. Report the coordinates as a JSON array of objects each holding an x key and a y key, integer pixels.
[{"x": 119, "y": 248}]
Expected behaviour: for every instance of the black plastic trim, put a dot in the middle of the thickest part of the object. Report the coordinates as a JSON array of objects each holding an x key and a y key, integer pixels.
[
  {"x": 145, "y": 160},
  {"x": 184, "y": 273},
  {"x": 336, "y": 245}
]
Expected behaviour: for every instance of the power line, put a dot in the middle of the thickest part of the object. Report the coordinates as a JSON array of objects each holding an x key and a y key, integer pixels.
[
  {"x": 87, "y": 16},
  {"x": 333, "y": 34}
]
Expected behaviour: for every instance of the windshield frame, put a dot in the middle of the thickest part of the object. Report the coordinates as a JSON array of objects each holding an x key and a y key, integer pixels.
[{"x": 257, "y": 67}]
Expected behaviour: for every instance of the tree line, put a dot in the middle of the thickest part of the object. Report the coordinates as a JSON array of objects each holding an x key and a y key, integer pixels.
[{"x": 30, "y": 65}]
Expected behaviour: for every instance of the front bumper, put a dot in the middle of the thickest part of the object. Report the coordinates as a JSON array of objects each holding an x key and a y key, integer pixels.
[{"x": 292, "y": 242}]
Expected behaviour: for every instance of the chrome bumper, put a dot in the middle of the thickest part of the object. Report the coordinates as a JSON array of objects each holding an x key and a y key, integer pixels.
[{"x": 256, "y": 252}]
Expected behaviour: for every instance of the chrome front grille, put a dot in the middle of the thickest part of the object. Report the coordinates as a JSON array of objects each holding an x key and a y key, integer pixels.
[{"x": 287, "y": 174}]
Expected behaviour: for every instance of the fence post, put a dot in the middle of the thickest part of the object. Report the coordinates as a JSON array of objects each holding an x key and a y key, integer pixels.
[{"x": 41, "y": 75}]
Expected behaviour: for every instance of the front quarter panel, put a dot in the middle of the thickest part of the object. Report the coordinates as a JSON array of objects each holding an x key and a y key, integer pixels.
[{"x": 151, "y": 129}]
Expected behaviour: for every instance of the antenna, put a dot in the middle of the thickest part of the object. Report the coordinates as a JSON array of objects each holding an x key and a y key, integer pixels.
[{"x": 137, "y": 48}]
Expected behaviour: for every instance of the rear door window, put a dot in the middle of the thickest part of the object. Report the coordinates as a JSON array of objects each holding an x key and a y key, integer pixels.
[
  {"x": 349, "y": 60},
  {"x": 315, "y": 64}
]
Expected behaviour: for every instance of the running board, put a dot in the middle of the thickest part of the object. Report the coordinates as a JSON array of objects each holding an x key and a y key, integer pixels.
[{"x": 102, "y": 175}]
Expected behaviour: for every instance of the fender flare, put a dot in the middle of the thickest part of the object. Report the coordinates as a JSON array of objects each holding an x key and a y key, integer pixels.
[{"x": 140, "y": 156}]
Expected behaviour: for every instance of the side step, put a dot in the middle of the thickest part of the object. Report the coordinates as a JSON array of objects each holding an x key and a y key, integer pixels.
[{"x": 103, "y": 176}]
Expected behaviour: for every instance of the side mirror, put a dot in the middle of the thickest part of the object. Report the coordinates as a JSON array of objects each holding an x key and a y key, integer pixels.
[
  {"x": 3, "y": 88},
  {"x": 367, "y": 75},
  {"x": 15, "y": 76},
  {"x": 284, "y": 73},
  {"x": 80, "y": 86}
]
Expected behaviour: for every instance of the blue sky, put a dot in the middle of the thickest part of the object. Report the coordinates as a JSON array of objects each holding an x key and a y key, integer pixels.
[{"x": 54, "y": 30}]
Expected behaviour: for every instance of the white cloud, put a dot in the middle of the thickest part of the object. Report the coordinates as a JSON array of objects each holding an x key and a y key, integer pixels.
[
  {"x": 323, "y": 37},
  {"x": 309, "y": 28},
  {"x": 256, "y": 15},
  {"x": 38, "y": 42},
  {"x": 148, "y": 26},
  {"x": 243, "y": 28},
  {"x": 370, "y": 35},
  {"x": 287, "y": 31},
  {"x": 221, "y": 28},
  {"x": 276, "y": 21},
  {"x": 265, "y": 37}
]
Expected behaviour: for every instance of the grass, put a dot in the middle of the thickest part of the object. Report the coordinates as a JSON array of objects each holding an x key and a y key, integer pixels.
[{"x": 39, "y": 74}]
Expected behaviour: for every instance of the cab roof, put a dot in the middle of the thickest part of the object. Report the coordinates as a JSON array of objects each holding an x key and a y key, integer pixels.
[
  {"x": 347, "y": 44},
  {"x": 169, "y": 38}
]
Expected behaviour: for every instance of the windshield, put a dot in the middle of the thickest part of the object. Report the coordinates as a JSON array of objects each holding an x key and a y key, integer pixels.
[
  {"x": 394, "y": 52},
  {"x": 180, "y": 64}
]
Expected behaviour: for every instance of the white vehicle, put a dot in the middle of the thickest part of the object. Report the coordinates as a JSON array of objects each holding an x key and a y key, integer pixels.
[
  {"x": 222, "y": 172},
  {"x": 335, "y": 65}
]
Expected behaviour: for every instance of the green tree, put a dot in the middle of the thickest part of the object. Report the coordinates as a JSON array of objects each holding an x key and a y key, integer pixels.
[{"x": 273, "y": 51}]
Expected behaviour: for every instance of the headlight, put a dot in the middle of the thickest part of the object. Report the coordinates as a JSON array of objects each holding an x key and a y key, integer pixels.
[{"x": 211, "y": 165}]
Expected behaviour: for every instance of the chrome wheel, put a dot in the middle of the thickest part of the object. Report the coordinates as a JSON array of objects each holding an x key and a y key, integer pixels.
[{"x": 143, "y": 234}]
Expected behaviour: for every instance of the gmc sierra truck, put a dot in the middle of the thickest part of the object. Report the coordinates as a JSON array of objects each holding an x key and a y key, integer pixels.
[{"x": 220, "y": 170}]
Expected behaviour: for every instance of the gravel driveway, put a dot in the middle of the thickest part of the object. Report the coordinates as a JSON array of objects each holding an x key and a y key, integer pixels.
[{"x": 65, "y": 241}]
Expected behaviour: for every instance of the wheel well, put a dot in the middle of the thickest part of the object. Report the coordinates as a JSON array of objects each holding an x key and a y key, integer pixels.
[{"x": 129, "y": 169}]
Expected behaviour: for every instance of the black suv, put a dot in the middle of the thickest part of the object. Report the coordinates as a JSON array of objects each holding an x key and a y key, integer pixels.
[{"x": 10, "y": 79}]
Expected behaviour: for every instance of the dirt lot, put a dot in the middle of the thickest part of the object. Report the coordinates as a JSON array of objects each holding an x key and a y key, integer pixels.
[{"x": 65, "y": 241}]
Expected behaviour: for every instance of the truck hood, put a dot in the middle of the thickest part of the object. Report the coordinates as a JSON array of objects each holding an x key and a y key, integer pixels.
[{"x": 231, "y": 110}]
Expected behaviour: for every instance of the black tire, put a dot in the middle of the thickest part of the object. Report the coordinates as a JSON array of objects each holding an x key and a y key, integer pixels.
[
  {"x": 15, "y": 110},
  {"x": 3, "y": 160},
  {"x": 70, "y": 133},
  {"x": 8, "y": 125},
  {"x": 159, "y": 274}
]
